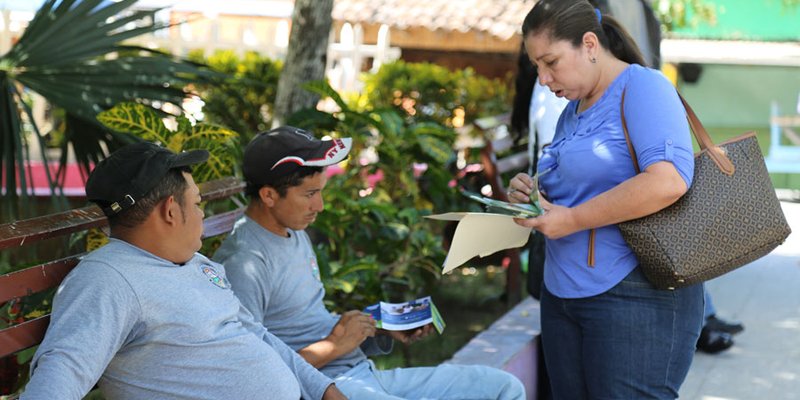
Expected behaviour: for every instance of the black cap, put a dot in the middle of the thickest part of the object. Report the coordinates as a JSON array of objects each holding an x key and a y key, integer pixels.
[
  {"x": 283, "y": 150},
  {"x": 129, "y": 173}
]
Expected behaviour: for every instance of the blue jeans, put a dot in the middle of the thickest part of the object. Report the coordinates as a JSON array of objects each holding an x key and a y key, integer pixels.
[
  {"x": 709, "y": 309},
  {"x": 631, "y": 342},
  {"x": 444, "y": 382}
]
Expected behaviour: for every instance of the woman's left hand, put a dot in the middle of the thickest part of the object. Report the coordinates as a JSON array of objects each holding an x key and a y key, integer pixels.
[{"x": 555, "y": 221}]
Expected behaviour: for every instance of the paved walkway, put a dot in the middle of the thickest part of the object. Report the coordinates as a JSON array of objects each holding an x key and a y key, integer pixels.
[{"x": 765, "y": 361}]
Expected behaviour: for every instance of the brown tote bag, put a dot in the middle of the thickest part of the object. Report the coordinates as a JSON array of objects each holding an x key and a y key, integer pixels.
[{"x": 729, "y": 217}]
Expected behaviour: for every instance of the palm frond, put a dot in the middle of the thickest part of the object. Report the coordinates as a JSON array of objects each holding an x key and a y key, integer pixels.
[
  {"x": 72, "y": 32},
  {"x": 10, "y": 149},
  {"x": 72, "y": 54},
  {"x": 88, "y": 140}
]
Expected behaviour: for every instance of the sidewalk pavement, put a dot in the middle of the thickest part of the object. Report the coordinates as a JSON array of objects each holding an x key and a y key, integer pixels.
[{"x": 764, "y": 362}]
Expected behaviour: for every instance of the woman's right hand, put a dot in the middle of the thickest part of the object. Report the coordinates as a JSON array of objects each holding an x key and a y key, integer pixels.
[
  {"x": 554, "y": 223},
  {"x": 519, "y": 188}
]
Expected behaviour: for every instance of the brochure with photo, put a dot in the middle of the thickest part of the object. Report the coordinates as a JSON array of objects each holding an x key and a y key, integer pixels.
[
  {"x": 501, "y": 207},
  {"x": 409, "y": 315}
]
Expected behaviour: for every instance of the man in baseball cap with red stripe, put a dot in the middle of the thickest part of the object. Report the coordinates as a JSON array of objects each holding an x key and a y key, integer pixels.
[
  {"x": 273, "y": 270},
  {"x": 283, "y": 169}
]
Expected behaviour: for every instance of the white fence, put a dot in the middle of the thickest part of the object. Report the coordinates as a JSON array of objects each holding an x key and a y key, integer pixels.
[{"x": 346, "y": 59}]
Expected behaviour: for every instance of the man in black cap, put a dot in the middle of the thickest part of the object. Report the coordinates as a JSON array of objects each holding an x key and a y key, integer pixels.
[
  {"x": 272, "y": 267},
  {"x": 146, "y": 316}
]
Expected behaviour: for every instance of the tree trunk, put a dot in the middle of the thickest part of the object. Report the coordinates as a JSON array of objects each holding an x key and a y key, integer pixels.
[{"x": 306, "y": 57}]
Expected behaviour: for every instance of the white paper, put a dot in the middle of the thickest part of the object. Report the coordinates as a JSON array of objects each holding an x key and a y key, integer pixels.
[{"x": 481, "y": 234}]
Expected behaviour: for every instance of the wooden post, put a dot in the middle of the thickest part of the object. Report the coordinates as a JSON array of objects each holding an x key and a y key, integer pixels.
[{"x": 5, "y": 32}]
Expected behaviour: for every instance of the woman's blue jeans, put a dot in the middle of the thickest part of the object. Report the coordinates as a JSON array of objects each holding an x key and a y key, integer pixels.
[{"x": 631, "y": 342}]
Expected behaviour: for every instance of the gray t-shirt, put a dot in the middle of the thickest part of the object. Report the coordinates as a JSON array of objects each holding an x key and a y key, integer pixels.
[
  {"x": 152, "y": 329},
  {"x": 277, "y": 279}
]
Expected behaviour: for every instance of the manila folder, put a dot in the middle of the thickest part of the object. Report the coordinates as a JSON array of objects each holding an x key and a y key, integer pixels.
[{"x": 481, "y": 234}]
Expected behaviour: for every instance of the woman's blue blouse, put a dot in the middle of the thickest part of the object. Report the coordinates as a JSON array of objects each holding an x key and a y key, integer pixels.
[{"x": 589, "y": 156}]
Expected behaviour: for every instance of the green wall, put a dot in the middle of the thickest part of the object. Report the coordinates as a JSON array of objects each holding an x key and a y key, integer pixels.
[
  {"x": 740, "y": 95},
  {"x": 765, "y": 20}
]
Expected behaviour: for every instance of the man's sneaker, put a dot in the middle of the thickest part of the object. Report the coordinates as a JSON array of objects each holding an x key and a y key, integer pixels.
[{"x": 716, "y": 324}]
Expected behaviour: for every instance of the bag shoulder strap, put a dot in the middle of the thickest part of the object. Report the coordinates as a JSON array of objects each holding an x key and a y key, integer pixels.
[{"x": 716, "y": 153}]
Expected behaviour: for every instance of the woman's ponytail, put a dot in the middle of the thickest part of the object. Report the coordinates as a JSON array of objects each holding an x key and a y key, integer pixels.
[{"x": 620, "y": 43}]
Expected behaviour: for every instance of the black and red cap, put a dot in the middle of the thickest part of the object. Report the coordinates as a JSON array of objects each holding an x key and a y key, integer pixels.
[{"x": 283, "y": 150}]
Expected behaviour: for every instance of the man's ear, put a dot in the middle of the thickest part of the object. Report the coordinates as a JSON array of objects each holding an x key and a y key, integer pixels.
[
  {"x": 268, "y": 196},
  {"x": 169, "y": 210}
]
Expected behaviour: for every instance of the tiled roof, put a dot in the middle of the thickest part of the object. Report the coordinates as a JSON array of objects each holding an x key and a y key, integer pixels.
[{"x": 500, "y": 18}]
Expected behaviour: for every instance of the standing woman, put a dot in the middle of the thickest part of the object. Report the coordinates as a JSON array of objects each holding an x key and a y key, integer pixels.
[{"x": 607, "y": 332}]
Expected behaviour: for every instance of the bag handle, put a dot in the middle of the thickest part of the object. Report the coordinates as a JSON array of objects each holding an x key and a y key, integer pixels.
[{"x": 698, "y": 130}]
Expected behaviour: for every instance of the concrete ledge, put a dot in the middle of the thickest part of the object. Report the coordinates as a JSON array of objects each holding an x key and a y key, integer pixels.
[{"x": 511, "y": 344}]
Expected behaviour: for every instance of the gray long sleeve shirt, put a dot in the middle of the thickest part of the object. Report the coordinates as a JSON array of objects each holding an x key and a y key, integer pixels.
[
  {"x": 148, "y": 328},
  {"x": 277, "y": 279}
]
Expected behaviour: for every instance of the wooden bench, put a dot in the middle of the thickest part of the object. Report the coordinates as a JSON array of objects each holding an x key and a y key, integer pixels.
[
  {"x": 783, "y": 158},
  {"x": 18, "y": 286},
  {"x": 514, "y": 334}
]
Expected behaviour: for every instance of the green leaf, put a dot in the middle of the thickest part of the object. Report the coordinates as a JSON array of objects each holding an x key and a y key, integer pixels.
[
  {"x": 184, "y": 124},
  {"x": 138, "y": 120},
  {"x": 219, "y": 142},
  {"x": 312, "y": 118},
  {"x": 439, "y": 151},
  {"x": 363, "y": 265},
  {"x": 436, "y": 130},
  {"x": 395, "y": 231},
  {"x": 409, "y": 214},
  {"x": 392, "y": 122},
  {"x": 343, "y": 285},
  {"x": 147, "y": 124},
  {"x": 324, "y": 89}
]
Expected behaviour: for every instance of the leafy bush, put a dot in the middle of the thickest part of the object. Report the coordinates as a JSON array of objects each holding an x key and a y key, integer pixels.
[
  {"x": 245, "y": 101},
  {"x": 429, "y": 92},
  {"x": 375, "y": 243}
]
